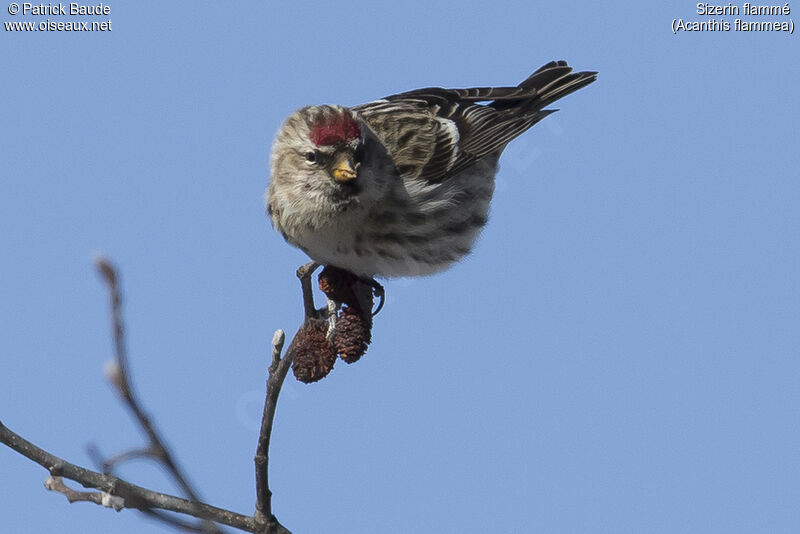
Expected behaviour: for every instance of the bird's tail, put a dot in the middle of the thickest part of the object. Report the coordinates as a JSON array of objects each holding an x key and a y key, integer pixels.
[
  {"x": 556, "y": 80},
  {"x": 546, "y": 85}
]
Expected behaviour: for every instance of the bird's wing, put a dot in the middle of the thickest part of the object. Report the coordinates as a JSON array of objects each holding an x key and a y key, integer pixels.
[{"x": 434, "y": 133}]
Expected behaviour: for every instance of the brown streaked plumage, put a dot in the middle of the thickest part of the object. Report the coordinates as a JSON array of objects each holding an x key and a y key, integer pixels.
[{"x": 401, "y": 186}]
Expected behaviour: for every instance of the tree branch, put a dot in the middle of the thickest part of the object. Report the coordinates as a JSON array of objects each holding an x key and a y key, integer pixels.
[
  {"x": 101, "y": 498},
  {"x": 119, "y": 376},
  {"x": 133, "y": 496},
  {"x": 277, "y": 374},
  {"x": 118, "y": 493},
  {"x": 304, "y": 274}
]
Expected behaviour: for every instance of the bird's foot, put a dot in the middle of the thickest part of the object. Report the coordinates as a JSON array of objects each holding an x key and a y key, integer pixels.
[{"x": 379, "y": 292}]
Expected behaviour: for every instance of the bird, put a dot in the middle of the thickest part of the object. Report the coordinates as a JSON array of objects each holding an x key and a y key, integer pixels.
[{"x": 401, "y": 186}]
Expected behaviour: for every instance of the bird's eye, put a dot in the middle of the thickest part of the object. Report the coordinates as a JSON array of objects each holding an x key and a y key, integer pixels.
[
  {"x": 311, "y": 156},
  {"x": 358, "y": 154}
]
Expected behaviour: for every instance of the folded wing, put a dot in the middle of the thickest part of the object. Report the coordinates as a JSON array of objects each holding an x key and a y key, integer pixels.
[{"x": 435, "y": 133}]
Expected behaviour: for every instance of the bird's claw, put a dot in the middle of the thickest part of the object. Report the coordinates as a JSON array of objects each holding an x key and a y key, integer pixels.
[{"x": 378, "y": 291}]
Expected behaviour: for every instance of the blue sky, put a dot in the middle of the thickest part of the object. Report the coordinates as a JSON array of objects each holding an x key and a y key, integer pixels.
[{"x": 619, "y": 354}]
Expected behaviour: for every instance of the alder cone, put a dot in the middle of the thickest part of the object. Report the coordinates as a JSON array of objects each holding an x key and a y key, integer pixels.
[
  {"x": 352, "y": 334},
  {"x": 314, "y": 355},
  {"x": 353, "y": 331},
  {"x": 338, "y": 284}
]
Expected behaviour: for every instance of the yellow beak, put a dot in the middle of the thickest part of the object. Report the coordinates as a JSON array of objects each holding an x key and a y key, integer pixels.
[{"x": 343, "y": 169}]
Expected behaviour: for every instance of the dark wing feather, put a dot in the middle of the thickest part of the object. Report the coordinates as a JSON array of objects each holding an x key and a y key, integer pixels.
[{"x": 434, "y": 133}]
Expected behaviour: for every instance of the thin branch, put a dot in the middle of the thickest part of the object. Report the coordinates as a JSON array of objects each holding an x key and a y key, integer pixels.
[
  {"x": 118, "y": 493},
  {"x": 277, "y": 374},
  {"x": 133, "y": 496},
  {"x": 120, "y": 378},
  {"x": 102, "y": 498},
  {"x": 107, "y": 464},
  {"x": 304, "y": 274},
  {"x": 176, "y": 523},
  {"x": 123, "y": 383}
]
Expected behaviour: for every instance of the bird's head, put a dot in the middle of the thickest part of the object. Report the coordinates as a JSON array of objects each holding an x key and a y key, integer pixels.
[
  {"x": 316, "y": 156},
  {"x": 326, "y": 161},
  {"x": 315, "y": 166}
]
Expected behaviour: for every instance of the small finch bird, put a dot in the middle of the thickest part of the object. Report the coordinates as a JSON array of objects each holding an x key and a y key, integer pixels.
[{"x": 401, "y": 186}]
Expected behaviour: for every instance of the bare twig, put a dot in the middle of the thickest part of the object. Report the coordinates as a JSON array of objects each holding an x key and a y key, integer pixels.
[
  {"x": 107, "y": 464},
  {"x": 118, "y": 493},
  {"x": 120, "y": 378},
  {"x": 124, "y": 386},
  {"x": 133, "y": 496},
  {"x": 176, "y": 523},
  {"x": 277, "y": 374},
  {"x": 101, "y": 498},
  {"x": 304, "y": 274}
]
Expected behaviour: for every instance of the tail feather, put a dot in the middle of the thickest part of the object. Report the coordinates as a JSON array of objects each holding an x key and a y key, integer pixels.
[
  {"x": 547, "y": 84},
  {"x": 545, "y": 75},
  {"x": 563, "y": 86}
]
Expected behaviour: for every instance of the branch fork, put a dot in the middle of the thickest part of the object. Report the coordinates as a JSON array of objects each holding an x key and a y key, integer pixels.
[{"x": 114, "y": 492}]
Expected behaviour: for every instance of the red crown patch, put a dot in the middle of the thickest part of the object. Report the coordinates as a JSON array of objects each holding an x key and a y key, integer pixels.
[{"x": 339, "y": 128}]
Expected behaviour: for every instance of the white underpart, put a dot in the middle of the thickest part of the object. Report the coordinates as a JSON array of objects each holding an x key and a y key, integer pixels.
[{"x": 337, "y": 244}]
